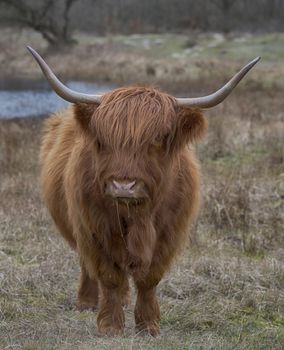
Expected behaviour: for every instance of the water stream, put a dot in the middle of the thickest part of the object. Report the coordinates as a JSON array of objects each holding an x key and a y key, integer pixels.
[{"x": 24, "y": 98}]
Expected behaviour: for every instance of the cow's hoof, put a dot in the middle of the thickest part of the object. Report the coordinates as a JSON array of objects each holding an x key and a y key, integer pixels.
[
  {"x": 148, "y": 329},
  {"x": 110, "y": 331}
]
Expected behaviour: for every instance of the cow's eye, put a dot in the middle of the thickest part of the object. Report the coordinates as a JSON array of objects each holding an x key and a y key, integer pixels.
[
  {"x": 99, "y": 145},
  {"x": 160, "y": 141}
]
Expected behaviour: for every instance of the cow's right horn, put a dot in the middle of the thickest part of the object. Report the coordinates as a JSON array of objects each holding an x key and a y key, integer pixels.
[
  {"x": 62, "y": 90},
  {"x": 220, "y": 95}
]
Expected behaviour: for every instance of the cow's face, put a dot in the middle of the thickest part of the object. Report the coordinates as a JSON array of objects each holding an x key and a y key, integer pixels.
[{"x": 137, "y": 134}]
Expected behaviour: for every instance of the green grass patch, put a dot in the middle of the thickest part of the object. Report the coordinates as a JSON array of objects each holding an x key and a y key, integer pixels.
[{"x": 198, "y": 46}]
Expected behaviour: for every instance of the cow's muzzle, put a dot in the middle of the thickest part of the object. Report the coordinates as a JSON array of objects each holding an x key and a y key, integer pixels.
[{"x": 126, "y": 191}]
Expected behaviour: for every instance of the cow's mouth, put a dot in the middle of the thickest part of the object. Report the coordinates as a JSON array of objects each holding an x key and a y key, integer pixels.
[{"x": 129, "y": 201}]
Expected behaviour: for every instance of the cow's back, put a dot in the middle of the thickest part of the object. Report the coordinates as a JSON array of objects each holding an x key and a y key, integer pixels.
[{"x": 56, "y": 148}]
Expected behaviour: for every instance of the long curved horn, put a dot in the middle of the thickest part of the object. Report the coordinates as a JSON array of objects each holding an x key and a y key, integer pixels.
[
  {"x": 62, "y": 90},
  {"x": 218, "y": 96}
]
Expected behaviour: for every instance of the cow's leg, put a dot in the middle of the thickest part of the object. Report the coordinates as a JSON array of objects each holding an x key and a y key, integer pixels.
[
  {"x": 147, "y": 310},
  {"x": 113, "y": 286},
  {"x": 88, "y": 292},
  {"x": 111, "y": 316},
  {"x": 125, "y": 293}
]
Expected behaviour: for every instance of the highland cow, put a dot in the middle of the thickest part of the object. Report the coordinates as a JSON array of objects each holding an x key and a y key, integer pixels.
[{"x": 121, "y": 182}]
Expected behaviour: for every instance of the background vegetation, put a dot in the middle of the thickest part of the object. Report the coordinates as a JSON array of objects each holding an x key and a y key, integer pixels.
[
  {"x": 227, "y": 289},
  {"x": 56, "y": 20}
]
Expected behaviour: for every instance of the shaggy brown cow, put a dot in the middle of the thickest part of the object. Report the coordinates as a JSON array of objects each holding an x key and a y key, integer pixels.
[{"x": 122, "y": 186}]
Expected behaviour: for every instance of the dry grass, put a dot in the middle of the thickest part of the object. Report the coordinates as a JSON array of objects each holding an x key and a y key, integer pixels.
[
  {"x": 227, "y": 289},
  {"x": 225, "y": 292}
]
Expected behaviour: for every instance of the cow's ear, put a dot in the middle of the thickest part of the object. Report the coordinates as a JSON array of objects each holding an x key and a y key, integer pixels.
[
  {"x": 83, "y": 114},
  {"x": 191, "y": 125}
]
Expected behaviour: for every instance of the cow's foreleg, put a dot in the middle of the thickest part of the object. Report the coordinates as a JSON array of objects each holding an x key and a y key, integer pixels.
[
  {"x": 147, "y": 310},
  {"x": 113, "y": 286}
]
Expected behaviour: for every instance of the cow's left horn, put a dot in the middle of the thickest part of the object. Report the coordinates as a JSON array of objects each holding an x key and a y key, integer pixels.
[
  {"x": 62, "y": 90},
  {"x": 220, "y": 95}
]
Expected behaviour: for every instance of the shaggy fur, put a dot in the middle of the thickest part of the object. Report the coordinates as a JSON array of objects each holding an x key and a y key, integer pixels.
[{"x": 135, "y": 133}]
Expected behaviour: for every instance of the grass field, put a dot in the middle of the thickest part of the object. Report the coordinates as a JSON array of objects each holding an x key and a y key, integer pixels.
[
  {"x": 176, "y": 62},
  {"x": 225, "y": 292}
]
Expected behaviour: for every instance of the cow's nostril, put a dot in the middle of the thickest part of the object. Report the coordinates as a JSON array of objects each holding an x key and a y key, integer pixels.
[
  {"x": 123, "y": 185},
  {"x": 126, "y": 191}
]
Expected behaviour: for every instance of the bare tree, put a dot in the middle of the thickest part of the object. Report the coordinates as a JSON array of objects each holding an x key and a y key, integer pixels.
[
  {"x": 54, "y": 19},
  {"x": 45, "y": 17}
]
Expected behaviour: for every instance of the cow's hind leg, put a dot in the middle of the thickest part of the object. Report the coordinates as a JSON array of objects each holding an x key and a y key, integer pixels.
[
  {"x": 88, "y": 293},
  {"x": 125, "y": 293}
]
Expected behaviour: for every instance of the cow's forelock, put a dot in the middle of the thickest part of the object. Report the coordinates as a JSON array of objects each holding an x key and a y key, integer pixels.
[{"x": 133, "y": 117}]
